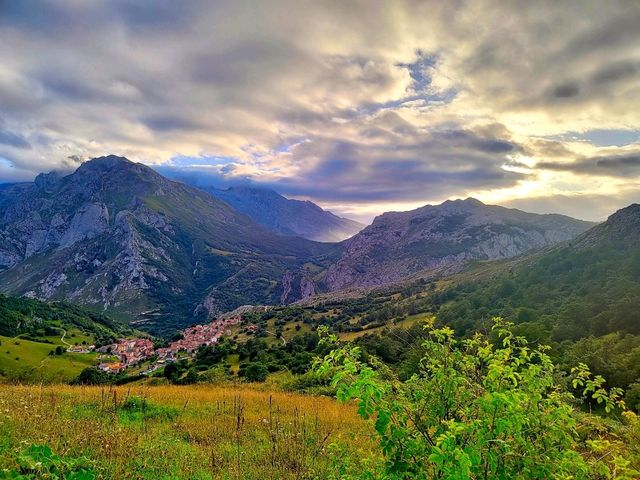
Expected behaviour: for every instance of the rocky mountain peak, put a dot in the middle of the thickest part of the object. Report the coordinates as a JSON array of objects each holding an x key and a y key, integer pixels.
[
  {"x": 467, "y": 202},
  {"x": 622, "y": 226},
  {"x": 114, "y": 166},
  {"x": 107, "y": 162},
  {"x": 117, "y": 235},
  {"x": 46, "y": 181},
  {"x": 629, "y": 216}
]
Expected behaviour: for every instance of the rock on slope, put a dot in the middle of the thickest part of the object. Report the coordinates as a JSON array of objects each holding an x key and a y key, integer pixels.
[
  {"x": 442, "y": 239},
  {"x": 119, "y": 236}
]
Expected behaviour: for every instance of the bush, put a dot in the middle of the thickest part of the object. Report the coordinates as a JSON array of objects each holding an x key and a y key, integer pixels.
[
  {"x": 477, "y": 410},
  {"x": 256, "y": 372},
  {"x": 92, "y": 376},
  {"x": 39, "y": 462},
  {"x": 632, "y": 398}
]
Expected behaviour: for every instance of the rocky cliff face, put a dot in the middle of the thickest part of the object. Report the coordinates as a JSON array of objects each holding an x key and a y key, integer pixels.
[
  {"x": 443, "y": 238},
  {"x": 287, "y": 216},
  {"x": 119, "y": 236}
]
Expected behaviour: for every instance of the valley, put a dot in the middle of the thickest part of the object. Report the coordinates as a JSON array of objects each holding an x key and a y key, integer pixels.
[
  {"x": 311, "y": 240},
  {"x": 259, "y": 320}
]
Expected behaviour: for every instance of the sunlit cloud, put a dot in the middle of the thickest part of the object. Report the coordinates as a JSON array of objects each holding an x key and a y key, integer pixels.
[{"x": 360, "y": 106}]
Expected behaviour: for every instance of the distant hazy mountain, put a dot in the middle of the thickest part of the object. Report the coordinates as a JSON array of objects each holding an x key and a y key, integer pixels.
[
  {"x": 443, "y": 239},
  {"x": 287, "y": 216},
  {"x": 121, "y": 237}
]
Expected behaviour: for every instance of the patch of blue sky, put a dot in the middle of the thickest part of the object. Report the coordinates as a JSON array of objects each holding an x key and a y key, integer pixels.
[
  {"x": 205, "y": 160},
  {"x": 290, "y": 142},
  {"x": 420, "y": 88},
  {"x": 418, "y": 70},
  {"x": 427, "y": 98},
  {"x": 602, "y": 137}
]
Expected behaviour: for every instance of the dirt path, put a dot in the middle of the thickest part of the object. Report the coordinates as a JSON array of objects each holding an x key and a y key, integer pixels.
[
  {"x": 284, "y": 342},
  {"x": 64, "y": 334}
]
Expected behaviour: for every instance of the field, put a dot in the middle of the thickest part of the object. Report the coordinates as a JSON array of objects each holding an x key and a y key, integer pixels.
[
  {"x": 194, "y": 432},
  {"x": 26, "y": 360}
]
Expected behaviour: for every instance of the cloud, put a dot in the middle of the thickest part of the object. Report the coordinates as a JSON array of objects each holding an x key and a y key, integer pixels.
[
  {"x": 13, "y": 139},
  {"x": 363, "y": 105},
  {"x": 621, "y": 165}
]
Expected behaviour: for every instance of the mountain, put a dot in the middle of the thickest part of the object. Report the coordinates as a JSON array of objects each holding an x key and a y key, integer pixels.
[
  {"x": 443, "y": 239},
  {"x": 287, "y": 216},
  {"x": 587, "y": 286},
  {"x": 622, "y": 229},
  {"x": 581, "y": 297},
  {"x": 121, "y": 237}
]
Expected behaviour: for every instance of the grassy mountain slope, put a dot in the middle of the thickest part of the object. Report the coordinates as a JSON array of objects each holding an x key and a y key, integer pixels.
[
  {"x": 27, "y": 361},
  {"x": 26, "y": 316},
  {"x": 587, "y": 286}
]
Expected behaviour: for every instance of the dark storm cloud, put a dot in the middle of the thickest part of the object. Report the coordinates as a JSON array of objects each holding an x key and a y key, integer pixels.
[
  {"x": 417, "y": 165},
  {"x": 13, "y": 139},
  {"x": 614, "y": 32},
  {"x": 566, "y": 90},
  {"x": 622, "y": 165},
  {"x": 617, "y": 71},
  {"x": 168, "y": 122},
  {"x": 68, "y": 88},
  {"x": 601, "y": 78}
]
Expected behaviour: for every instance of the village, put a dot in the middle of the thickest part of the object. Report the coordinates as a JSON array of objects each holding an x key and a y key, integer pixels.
[{"x": 132, "y": 351}]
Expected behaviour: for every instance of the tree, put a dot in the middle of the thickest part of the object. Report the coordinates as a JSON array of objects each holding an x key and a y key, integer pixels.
[
  {"x": 92, "y": 376},
  {"x": 633, "y": 397},
  {"x": 477, "y": 410},
  {"x": 256, "y": 372}
]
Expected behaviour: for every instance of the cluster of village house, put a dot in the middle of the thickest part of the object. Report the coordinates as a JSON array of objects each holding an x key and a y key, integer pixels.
[{"x": 133, "y": 351}]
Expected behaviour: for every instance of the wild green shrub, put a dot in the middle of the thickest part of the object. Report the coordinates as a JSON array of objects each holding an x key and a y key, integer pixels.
[
  {"x": 39, "y": 462},
  {"x": 478, "y": 410}
]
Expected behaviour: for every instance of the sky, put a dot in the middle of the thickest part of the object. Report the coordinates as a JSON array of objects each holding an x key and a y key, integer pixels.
[{"x": 359, "y": 106}]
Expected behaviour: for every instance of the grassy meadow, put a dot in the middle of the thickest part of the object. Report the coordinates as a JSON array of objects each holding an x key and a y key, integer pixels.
[
  {"x": 26, "y": 360},
  {"x": 194, "y": 432}
]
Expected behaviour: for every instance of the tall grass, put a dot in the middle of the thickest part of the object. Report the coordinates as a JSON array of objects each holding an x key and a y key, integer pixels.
[{"x": 194, "y": 432}]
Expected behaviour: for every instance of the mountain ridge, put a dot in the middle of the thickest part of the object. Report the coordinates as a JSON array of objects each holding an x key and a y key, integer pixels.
[
  {"x": 287, "y": 216},
  {"x": 443, "y": 239}
]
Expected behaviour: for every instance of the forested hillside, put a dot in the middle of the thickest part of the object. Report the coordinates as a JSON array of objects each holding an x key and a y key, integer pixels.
[{"x": 26, "y": 316}]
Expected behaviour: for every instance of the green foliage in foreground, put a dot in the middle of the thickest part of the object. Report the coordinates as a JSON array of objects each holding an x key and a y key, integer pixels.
[
  {"x": 39, "y": 462},
  {"x": 479, "y": 410}
]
